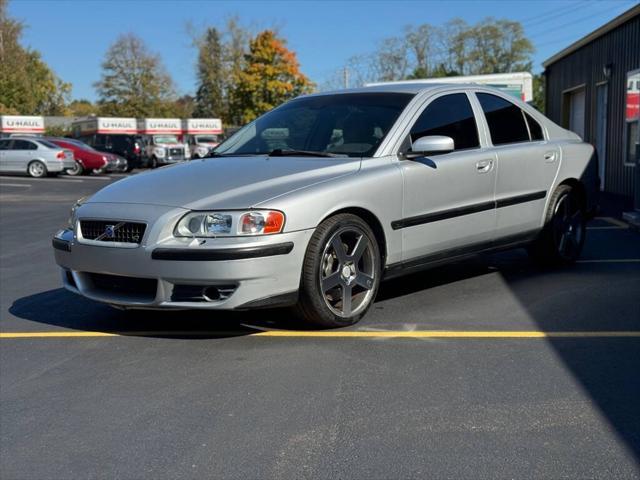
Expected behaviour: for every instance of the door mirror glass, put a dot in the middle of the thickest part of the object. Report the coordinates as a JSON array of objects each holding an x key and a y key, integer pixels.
[{"x": 430, "y": 144}]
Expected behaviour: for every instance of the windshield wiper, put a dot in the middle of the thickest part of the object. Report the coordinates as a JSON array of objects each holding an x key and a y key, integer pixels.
[{"x": 279, "y": 152}]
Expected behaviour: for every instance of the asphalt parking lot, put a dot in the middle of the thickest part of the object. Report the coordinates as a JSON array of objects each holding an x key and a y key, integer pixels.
[{"x": 488, "y": 368}]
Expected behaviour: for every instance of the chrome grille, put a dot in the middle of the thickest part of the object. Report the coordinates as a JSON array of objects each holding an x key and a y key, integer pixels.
[{"x": 112, "y": 231}]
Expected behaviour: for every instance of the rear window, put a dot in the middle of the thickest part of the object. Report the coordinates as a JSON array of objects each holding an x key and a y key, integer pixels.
[
  {"x": 505, "y": 120},
  {"x": 48, "y": 144},
  {"x": 534, "y": 128}
]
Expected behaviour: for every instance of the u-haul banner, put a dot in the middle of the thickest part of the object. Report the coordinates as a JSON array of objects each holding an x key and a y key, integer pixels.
[
  {"x": 21, "y": 124},
  {"x": 159, "y": 125},
  {"x": 113, "y": 125},
  {"x": 202, "y": 125}
]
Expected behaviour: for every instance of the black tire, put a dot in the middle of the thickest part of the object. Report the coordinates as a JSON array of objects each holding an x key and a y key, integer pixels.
[
  {"x": 37, "y": 169},
  {"x": 562, "y": 237},
  {"x": 355, "y": 269},
  {"x": 76, "y": 171},
  {"x": 153, "y": 163}
]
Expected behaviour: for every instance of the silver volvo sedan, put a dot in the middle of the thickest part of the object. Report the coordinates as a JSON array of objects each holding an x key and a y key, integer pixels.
[{"x": 317, "y": 201}]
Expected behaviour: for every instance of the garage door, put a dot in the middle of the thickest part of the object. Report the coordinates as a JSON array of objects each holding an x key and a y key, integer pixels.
[{"x": 576, "y": 112}]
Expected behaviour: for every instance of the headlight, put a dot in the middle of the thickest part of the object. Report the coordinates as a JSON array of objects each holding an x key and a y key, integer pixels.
[
  {"x": 159, "y": 152},
  {"x": 230, "y": 224}
]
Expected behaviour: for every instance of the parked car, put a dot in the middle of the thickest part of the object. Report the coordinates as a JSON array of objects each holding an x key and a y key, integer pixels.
[
  {"x": 130, "y": 147},
  {"x": 33, "y": 155},
  {"x": 87, "y": 158},
  {"x": 374, "y": 183},
  {"x": 201, "y": 145}
]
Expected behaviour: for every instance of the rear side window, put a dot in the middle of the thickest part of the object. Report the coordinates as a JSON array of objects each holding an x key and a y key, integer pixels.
[
  {"x": 505, "y": 120},
  {"x": 449, "y": 115},
  {"x": 534, "y": 128},
  {"x": 24, "y": 145}
]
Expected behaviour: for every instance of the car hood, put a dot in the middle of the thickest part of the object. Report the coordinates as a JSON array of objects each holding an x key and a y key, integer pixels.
[{"x": 225, "y": 182}]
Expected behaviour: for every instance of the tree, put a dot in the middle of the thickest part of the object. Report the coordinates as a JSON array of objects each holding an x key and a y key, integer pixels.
[
  {"x": 539, "y": 85},
  {"x": 271, "y": 76},
  {"x": 27, "y": 85},
  {"x": 134, "y": 82},
  {"x": 81, "y": 108},
  {"x": 210, "y": 101}
]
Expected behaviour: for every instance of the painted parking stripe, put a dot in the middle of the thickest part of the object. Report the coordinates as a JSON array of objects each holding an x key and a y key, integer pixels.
[
  {"x": 608, "y": 228},
  {"x": 20, "y": 185},
  {"x": 613, "y": 221},
  {"x": 333, "y": 334}
]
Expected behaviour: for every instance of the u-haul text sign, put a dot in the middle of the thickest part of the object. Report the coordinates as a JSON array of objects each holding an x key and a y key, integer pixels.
[
  {"x": 202, "y": 125},
  {"x": 159, "y": 125},
  {"x": 21, "y": 124}
]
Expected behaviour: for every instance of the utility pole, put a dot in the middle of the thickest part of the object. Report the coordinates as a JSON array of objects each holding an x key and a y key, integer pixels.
[{"x": 345, "y": 76}]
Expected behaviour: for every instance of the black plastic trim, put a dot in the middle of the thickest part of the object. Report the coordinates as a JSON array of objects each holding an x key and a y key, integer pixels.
[
  {"x": 60, "y": 244},
  {"x": 282, "y": 300},
  {"x": 196, "y": 254},
  {"x": 452, "y": 254},
  {"x": 467, "y": 210}
]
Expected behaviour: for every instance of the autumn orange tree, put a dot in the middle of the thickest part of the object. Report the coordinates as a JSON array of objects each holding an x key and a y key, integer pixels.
[{"x": 270, "y": 76}]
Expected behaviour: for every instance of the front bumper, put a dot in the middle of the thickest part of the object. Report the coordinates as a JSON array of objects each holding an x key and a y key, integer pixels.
[{"x": 247, "y": 272}]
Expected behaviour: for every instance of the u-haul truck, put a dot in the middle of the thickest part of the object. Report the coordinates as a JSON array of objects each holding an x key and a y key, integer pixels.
[
  {"x": 518, "y": 84},
  {"x": 201, "y": 135},
  {"x": 21, "y": 125},
  {"x": 162, "y": 145}
]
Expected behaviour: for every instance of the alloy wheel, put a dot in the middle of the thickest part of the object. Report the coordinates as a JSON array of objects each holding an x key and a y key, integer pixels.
[
  {"x": 347, "y": 272},
  {"x": 568, "y": 227}
]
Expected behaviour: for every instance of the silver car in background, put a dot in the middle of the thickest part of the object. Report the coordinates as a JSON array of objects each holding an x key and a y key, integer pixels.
[
  {"x": 34, "y": 156},
  {"x": 317, "y": 201}
]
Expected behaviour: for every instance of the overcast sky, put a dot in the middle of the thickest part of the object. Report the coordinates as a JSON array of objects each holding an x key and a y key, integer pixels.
[{"x": 73, "y": 35}]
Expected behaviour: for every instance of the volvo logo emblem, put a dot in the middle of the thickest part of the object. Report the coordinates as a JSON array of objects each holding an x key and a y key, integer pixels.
[{"x": 110, "y": 231}]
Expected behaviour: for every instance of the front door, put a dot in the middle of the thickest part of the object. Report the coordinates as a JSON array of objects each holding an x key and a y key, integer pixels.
[{"x": 448, "y": 198}]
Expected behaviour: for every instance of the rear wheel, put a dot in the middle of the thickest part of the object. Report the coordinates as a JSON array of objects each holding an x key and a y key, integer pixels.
[
  {"x": 37, "y": 169},
  {"x": 78, "y": 169},
  {"x": 562, "y": 239},
  {"x": 341, "y": 272}
]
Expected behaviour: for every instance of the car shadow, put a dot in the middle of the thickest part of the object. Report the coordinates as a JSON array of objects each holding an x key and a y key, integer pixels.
[{"x": 63, "y": 309}]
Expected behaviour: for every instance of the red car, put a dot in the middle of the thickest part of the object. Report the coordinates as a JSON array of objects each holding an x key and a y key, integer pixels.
[{"x": 87, "y": 159}]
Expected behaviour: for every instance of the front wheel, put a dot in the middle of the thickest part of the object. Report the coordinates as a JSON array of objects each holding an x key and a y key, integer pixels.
[
  {"x": 341, "y": 272},
  {"x": 562, "y": 239}
]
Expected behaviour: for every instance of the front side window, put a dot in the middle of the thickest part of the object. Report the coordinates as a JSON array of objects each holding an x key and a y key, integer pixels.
[
  {"x": 347, "y": 124},
  {"x": 451, "y": 116},
  {"x": 505, "y": 120},
  {"x": 4, "y": 144}
]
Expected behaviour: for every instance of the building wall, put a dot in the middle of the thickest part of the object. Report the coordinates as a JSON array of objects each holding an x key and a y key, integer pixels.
[{"x": 621, "y": 49}]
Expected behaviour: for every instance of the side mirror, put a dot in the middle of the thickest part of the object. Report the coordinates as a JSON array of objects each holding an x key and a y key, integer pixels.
[{"x": 430, "y": 144}]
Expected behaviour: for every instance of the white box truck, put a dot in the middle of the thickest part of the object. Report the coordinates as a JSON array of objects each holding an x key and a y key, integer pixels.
[
  {"x": 21, "y": 125},
  {"x": 201, "y": 135},
  {"x": 162, "y": 145}
]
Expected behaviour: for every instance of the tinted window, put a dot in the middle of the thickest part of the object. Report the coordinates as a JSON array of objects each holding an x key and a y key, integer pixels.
[
  {"x": 506, "y": 122},
  {"x": 349, "y": 124},
  {"x": 48, "y": 144},
  {"x": 23, "y": 145},
  {"x": 534, "y": 128},
  {"x": 4, "y": 144},
  {"x": 451, "y": 116}
]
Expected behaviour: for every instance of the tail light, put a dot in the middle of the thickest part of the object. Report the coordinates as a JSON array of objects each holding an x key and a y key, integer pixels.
[
  {"x": 136, "y": 148},
  {"x": 60, "y": 155}
]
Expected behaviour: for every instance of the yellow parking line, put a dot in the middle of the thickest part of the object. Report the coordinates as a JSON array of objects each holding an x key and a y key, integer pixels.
[{"x": 335, "y": 334}]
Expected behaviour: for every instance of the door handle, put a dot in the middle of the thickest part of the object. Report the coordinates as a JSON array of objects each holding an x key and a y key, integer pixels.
[
  {"x": 550, "y": 157},
  {"x": 483, "y": 166}
]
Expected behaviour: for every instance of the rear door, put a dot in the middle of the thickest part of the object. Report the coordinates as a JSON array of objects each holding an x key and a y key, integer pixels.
[
  {"x": 448, "y": 198},
  {"x": 20, "y": 154},
  {"x": 4, "y": 146},
  {"x": 527, "y": 165}
]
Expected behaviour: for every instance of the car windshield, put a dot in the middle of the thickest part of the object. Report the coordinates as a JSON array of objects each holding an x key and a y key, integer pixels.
[
  {"x": 346, "y": 124},
  {"x": 206, "y": 139},
  {"x": 160, "y": 139}
]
